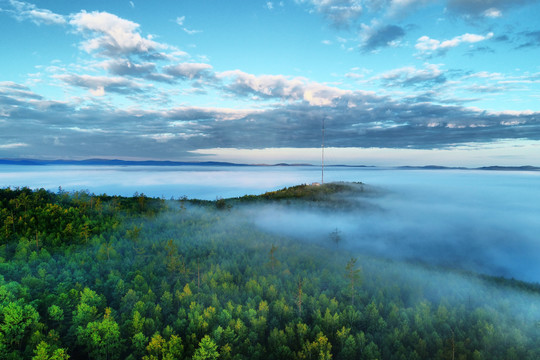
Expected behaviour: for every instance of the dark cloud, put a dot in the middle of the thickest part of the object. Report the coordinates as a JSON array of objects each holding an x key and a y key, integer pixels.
[
  {"x": 532, "y": 39},
  {"x": 127, "y": 67},
  {"x": 160, "y": 77},
  {"x": 354, "y": 119},
  {"x": 340, "y": 13},
  {"x": 99, "y": 85},
  {"x": 502, "y": 38},
  {"x": 148, "y": 71},
  {"x": 382, "y": 37},
  {"x": 15, "y": 90},
  {"x": 479, "y": 8},
  {"x": 424, "y": 80},
  {"x": 391, "y": 125},
  {"x": 481, "y": 49},
  {"x": 189, "y": 71},
  {"x": 428, "y": 77},
  {"x": 376, "y": 5},
  {"x": 9, "y": 100}
]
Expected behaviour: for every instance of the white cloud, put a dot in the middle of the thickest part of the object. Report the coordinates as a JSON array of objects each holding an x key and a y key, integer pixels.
[
  {"x": 180, "y": 21},
  {"x": 99, "y": 91},
  {"x": 161, "y": 137},
  {"x": 493, "y": 13},
  {"x": 111, "y": 35},
  {"x": 277, "y": 86},
  {"x": 191, "y": 32},
  {"x": 269, "y": 5},
  {"x": 354, "y": 76},
  {"x": 46, "y": 17},
  {"x": 13, "y": 145},
  {"x": 282, "y": 87},
  {"x": 484, "y": 75},
  {"x": 426, "y": 45},
  {"x": 23, "y": 11},
  {"x": 411, "y": 75}
]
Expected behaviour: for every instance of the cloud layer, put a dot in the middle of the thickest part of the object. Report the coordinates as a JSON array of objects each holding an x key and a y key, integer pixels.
[
  {"x": 130, "y": 93},
  {"x": 353, "y": 119}
]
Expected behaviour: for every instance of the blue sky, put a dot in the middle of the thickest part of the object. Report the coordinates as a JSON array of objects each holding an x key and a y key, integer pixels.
[{"x": 454, "y": 82}]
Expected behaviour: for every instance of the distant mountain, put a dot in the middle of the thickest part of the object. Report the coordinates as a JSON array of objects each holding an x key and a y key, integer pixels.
[
  {"x": 431, "y": 167},
  {"x": 510, "y": 168},
  {"x": 491, "y": 168},
  {"x": 117, "y": 162},
  {"x": 352, "y": 166},
  {"x": 19, "y": 162},
  {"x": 285, "y": 164}
]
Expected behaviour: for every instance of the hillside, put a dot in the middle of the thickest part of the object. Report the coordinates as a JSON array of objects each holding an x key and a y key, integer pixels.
[{"x": 107, "y": 277}]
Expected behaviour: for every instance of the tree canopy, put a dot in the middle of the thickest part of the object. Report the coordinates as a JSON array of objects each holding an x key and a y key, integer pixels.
[{"x": 86, "y": 276}]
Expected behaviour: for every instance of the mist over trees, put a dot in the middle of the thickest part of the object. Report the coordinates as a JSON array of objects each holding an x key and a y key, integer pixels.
[{"x": 86, "y": 276}]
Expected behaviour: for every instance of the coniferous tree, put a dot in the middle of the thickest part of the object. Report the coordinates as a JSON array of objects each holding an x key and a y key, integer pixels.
[
  {"x": 207, "y": 350},
  {"x": 353, "y": 275}
]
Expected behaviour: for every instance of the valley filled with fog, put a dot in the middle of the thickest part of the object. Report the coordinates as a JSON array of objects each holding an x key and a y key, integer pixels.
[{"x": 482, "y": 221}]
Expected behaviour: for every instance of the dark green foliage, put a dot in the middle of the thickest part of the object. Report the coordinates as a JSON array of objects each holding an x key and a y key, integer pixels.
[
  {"x": 329, "y": 196},
  {"x": 141, "y": 278},
  {"x": 45, "y": 219},
  {"x": 308, "y": 192}
]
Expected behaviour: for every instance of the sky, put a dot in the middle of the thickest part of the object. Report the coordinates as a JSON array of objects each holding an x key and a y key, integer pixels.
[{"x": 396, "y": 82}]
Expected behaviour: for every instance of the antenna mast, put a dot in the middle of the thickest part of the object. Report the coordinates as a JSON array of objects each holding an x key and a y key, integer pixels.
[{"x": 322, "y": 154}]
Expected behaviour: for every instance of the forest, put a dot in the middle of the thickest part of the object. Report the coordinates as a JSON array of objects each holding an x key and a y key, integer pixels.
[{"x": 86, "y": 276}]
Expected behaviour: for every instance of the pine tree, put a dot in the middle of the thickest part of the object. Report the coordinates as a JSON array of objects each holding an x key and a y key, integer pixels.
[
  {"x": 207, "y": 350},
  {"x": 354, "y": 277}
]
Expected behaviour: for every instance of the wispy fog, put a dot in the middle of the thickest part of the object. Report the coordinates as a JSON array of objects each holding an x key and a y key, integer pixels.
[
  {"x": 484, "y": 221},
  {"x": 201, "y": 182}
]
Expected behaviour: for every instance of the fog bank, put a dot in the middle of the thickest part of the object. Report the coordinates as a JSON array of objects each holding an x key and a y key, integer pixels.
[
  {"x": 486, "y": 221},
  {"x": 483, "y": 222}
]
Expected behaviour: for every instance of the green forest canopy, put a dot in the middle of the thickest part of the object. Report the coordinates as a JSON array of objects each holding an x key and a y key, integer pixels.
[{"x": 87, "y": 276}]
